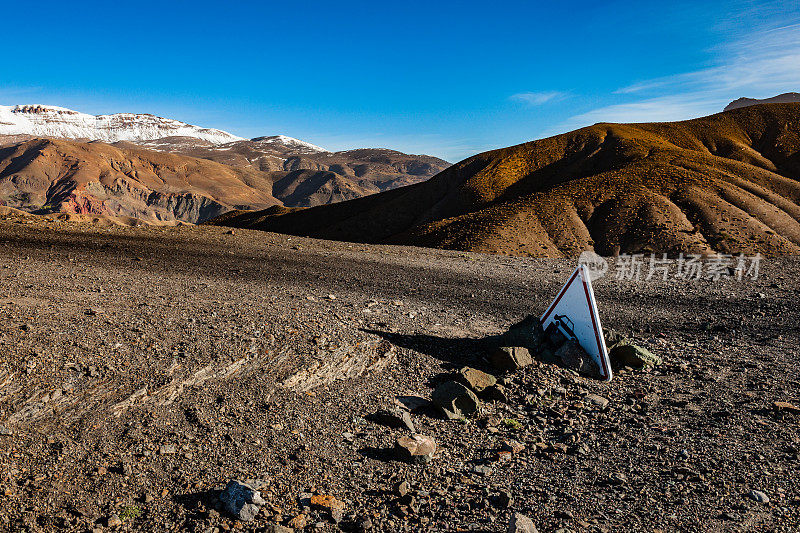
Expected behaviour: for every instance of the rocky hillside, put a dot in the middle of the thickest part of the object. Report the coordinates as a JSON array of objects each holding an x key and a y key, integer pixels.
[
  {"x": 305, "y": 174},
  {"x": 124, "y": 180},
  {"x": 724, "y": 183},
  {"x": 313, "y": 175},
  {"x": 46, "y": 175},
  {"x": 785, "y": 98}
]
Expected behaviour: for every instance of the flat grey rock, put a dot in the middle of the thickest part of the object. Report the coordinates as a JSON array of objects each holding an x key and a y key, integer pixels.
[{"x": 241, "y": 500}]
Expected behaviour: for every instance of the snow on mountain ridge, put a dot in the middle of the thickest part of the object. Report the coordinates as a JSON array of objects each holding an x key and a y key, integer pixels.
[
  {"x": 53, "y": 121},
  {"x": 290, "y": 142}
]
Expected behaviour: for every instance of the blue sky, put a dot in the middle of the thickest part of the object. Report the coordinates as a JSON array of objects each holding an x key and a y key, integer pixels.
[{"x": 445, "y": 78}]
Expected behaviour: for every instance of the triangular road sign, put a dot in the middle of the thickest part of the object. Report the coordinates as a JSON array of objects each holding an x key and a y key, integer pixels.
[{"x": 576, "y": 302}]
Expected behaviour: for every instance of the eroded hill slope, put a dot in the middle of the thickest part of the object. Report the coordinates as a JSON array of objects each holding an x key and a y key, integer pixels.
[
  {"x": 313, "y": 176},
  {"x": 45, "y": 175},
  {"x": 724, "y": 183}
]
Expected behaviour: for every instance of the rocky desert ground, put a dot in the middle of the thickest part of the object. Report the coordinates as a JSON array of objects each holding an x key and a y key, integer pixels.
[{"x": 143, "y": 368}]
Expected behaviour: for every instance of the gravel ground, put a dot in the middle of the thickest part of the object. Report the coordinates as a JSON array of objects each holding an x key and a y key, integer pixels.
[{"x": 143, "y": 368}]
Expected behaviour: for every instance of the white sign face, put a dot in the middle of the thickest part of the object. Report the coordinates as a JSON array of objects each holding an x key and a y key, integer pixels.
[{"x": 576, "y": 301}]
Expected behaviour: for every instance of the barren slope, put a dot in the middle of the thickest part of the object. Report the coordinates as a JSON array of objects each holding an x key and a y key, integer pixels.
[
  {"x": 314, "y": 176},
  {"x": 54, "y": 175},
  {"x": 725, "y": 183},
  {"x": 305, "y": 175}
]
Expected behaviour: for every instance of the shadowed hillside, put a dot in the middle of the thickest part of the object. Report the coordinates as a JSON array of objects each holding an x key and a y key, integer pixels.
[
  {"x": 307, "y": 177},
  {"x": 726, "y": 183}
]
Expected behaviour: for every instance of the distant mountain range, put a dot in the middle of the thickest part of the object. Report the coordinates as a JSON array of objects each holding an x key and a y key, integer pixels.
[
  {"x": 726, "y": 183},
  {"x": 132, "y": 179},
  {"x": 785, "y": 98},
  {"x": 51, "y": 121},
  {"x": 306, "y": 175}
]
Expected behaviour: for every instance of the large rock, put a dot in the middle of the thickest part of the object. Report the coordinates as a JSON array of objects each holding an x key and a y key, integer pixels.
[
  {"x": 520, "y": 523},
  {"x": 476, "y": 379},
  {"x": 597, "y": 400},
  {"x": 456, "y": 400},
  {"x": 415, "y": 448},
  {"x": 527, "y": 334},
  {"x": 633, "y": 356},
  {"x": 614, "y": 337},
  {"x": 395, "y": 417},
  {"x": 510, "y": 358},
  {"x": 573, "y": 356},
  {"x": 241, "y": 500},
  {"x": 623, "y": 352},
  {"x": 554, "y": 336}
]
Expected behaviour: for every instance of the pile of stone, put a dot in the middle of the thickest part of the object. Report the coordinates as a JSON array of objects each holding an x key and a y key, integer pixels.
[
  {"x": 529, "y": 339},
  {"x": 413, "y": 448},
  {"x": 461, "y": 394},
  {"x": 456, "y": 399},
  {"x": 460, "y": 397}
]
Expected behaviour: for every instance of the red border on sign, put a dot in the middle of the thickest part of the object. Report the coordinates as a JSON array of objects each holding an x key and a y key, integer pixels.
[{"x": 560, "y": 295}]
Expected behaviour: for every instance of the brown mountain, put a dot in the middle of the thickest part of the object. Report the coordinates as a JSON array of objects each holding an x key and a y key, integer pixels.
[
  {"x": 312, "y": 176},
  {"x": 43, "y": 175},
  {"x": 727, "y": 183},
  {"x": 157, "y": 184},
  {"x": 785, "y": 98},
  {"x": 303, "y": 174}
]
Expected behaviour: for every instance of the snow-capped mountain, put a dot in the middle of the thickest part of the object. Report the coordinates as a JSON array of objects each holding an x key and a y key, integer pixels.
[
  {"x": 262, "y": 171},
  {"x": 52, "y": 121},
  {"x": 289, "y": 142}
]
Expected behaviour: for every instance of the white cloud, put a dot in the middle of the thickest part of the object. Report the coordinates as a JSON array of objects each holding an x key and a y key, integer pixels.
[
  {"x": 660, "y": 109},
  {"x": 643, "y": 86},
  {"x": 537, "y": 98},
  {"x": 759, "y": 65},
  {"x": 766, "y": 60}
]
